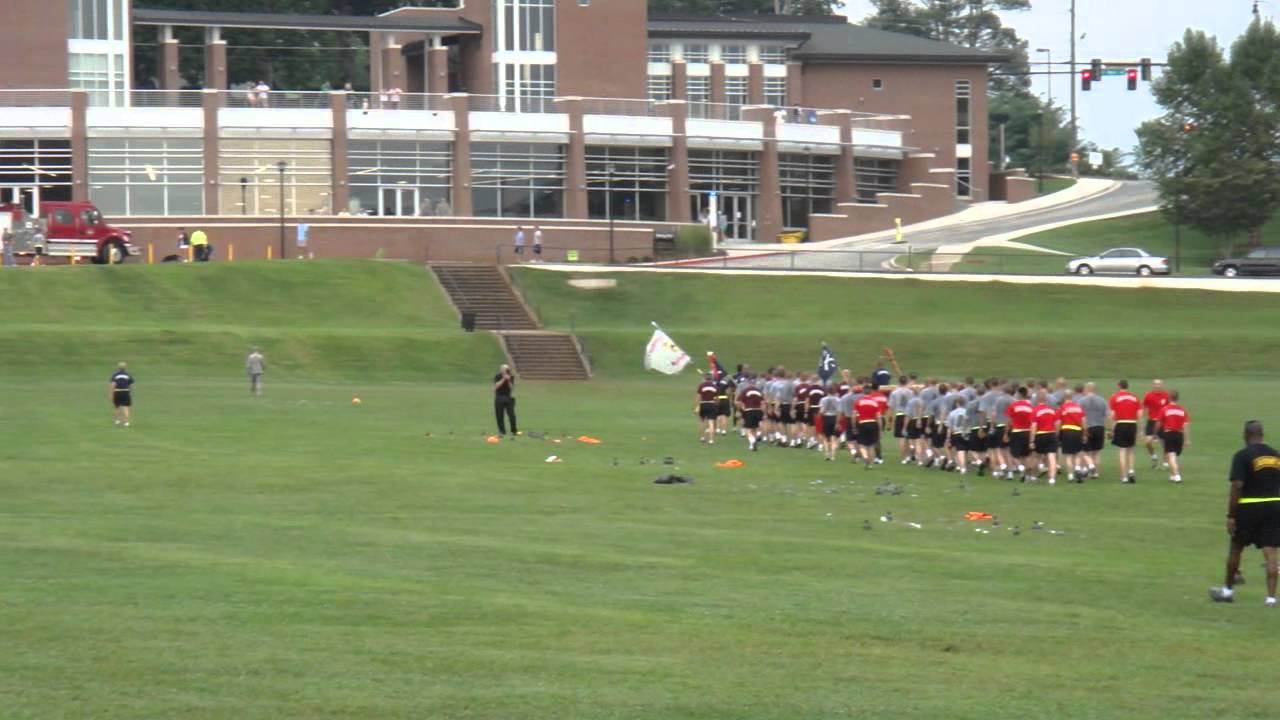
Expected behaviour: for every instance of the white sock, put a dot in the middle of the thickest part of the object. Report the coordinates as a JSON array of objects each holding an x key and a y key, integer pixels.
[
  {"x": 1227, "y": 592},
  {"x": 1271, "y": 601}
]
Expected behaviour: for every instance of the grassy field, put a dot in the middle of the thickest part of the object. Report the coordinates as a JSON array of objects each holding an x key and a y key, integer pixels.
[
  {"x": 1054, "y": 184},
  {"x": 296, "y": 556}
]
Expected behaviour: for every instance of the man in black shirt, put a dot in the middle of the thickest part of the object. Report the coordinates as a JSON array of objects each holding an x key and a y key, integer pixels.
[
  {"x": 1253, "y": 510},
  {"x": 120, "y": 391},
  {"x": 504, "y": 403}
]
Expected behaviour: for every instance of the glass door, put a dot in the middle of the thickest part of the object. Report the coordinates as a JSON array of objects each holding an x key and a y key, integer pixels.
[
  {"x": 399, "y": 201},
  {"x": 738, "y": 217}
]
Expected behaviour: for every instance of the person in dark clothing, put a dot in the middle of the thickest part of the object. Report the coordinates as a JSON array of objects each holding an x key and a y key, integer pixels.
[
  {"x": 1253, "y": 511},
  {"x": 504, "y": 401}
]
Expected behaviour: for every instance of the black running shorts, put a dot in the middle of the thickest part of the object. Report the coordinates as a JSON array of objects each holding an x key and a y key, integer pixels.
[
  {"x": 1095, "y": 438},
  {"x": 868, "y": 433},
  {"x": 899, "y": 426},
  {"x": 1046, "y": 443},
  {"x": 1020, "y": 443},
  {"x": 751, "y": 418},
  {"x": 1072, "y": 441},
  {"x": 707, "y": 410},
  {"x": 1258, "y": 524},
  {"x": 1125, "y": 434},
  {"x": 1173, "y": 442}
]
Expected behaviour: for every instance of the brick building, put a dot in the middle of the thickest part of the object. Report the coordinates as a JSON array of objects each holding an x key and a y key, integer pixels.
[{"x": 573, "y": 111}]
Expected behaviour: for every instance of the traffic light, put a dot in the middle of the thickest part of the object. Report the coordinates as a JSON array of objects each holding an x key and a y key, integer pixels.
[
  {"x": 1146, "y": 69},
  {"x": 1096, "y": 69},
  {"x": 1086, "y": 80},
  {"x": 1133, "y": 79}
]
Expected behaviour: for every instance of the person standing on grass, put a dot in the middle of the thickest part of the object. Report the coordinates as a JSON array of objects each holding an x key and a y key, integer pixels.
[
  {"x": 120, "y": 391},
  {"x": 1174, "y": 427},
  {"x": 752, "y": 399},
  {"x": 1253, "y": 511},
  {"x": 704, "y": 406},
  {"x": 504, "y": 400},
  {"x": 1153, "y": 403},
  {"x": 1071, "y": 437},
  {"x": 828, "y": 414},
  {"x": 200, "y": 246},
  {"x": 1021, "y": 414},
  {"x": 255, "y": 365},
  {"x": 1046, "y": 438},
  {"x": 956, "y": 425},
  {"x": 867, "y": 415},
  {"x": 519, "y": 242},
  {"x": 1124, "y": 410},
  {"x": 1095, "y": 426}
]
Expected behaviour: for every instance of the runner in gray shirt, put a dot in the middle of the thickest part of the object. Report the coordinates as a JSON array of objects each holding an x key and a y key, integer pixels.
[
  {"x": 898, "y": 400},
  {"x": 786, "y": 401},
  {"x": 846, "y": 416},
  {"x": 957, "y": 422},
  {"x": 916, "y": 414},
  {"x": 829, "y": 409},
  {"x": 977, "y": 441},
  {"x": 1095, "y": 421},
  {"x": 998, "y": 439},
  {"x": 970, "y": 391}
]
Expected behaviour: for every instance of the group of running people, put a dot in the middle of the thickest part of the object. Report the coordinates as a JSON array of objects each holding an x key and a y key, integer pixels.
[{"x": 1018, "y": 430}]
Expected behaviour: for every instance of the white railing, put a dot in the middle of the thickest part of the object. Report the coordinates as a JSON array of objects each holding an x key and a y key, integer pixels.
[{"x": 398, "y": 101}]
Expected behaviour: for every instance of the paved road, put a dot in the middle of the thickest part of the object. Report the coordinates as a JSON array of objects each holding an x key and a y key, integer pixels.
[{"x": 874, "y": 254}]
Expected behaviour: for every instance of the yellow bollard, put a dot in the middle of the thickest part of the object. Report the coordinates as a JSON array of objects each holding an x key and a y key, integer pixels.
[
  {"x": 151, "y": 254},
  {"x": 268, "y": 252},
  {"x": 75, "y": 259},
  {"x": 231, "y": 252},
  {"x": 191, "y": 253}
]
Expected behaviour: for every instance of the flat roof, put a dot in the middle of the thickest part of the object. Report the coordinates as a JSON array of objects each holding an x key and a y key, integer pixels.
[
  {"x": 447, "y": 22},
  {"x": 830, "y": 38}
]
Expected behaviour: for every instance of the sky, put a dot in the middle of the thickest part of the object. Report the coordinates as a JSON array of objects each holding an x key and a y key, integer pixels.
[{"x": 1114, "y": 30}]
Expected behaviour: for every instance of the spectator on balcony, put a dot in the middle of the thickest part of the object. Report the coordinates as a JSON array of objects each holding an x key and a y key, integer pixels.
[
  {"x": 393, "y": 96},
  {"x": 263, "y": 91},
  {"x": 443, "y": 209}
]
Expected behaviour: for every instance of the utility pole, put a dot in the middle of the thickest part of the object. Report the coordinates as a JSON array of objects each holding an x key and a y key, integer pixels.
[{"x": 1075, "y": 141}]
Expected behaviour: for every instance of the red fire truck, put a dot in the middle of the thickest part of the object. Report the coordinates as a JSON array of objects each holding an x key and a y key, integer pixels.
[{"x": 65, "y": 229}]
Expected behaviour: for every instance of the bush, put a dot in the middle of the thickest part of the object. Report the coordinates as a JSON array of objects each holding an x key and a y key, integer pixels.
[{"x": 693, "y": 240}]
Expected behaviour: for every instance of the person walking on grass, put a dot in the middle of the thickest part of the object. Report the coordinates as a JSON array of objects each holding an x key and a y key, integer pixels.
[
  {"x": 1152, "y": 405},
  {"x": 1253, "y": 511},
  {"x": 1124, "y": 410},
  {"x": 1173, "y": 425},
  {"x": 255, "y": 365},
  {"x": 504, "y": 400},
  {"x": 828, "y": 418},
  {"x": 120, "y": 392},
  {"x": 705, "y": 406}
]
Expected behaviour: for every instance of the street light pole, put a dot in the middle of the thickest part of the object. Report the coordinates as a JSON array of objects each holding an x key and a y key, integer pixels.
[
  {"x": 608, "y": 209},
  {"x": 1045, "y": 115},
  {"x": 244, "y": 196},
  {"x": 1075, "y": 140},
  {"x": 281, "y": 166}
]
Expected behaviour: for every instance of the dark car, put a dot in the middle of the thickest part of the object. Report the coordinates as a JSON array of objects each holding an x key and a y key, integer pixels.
[{"x": 1259, "y": 261}]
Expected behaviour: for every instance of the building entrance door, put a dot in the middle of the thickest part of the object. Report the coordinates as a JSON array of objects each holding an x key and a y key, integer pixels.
[
  {"x": 399, "y": 201},
  {"x": 734, "y": 214}
]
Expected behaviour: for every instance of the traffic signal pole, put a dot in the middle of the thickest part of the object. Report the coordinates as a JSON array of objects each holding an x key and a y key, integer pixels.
[{"x": 1075, "y": 141}]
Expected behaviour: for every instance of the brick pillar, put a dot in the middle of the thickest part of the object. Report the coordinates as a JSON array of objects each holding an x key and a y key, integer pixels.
[
  {"x": 215, "y": 65},
  {"x": 795, "y": 85},
  {"x": 339, "y": 195},
  {"x": 375, "y": 62},
  {"x": 845, "y": 188},
  {"x": 769, "y": 200},
  {"x": 678, "y": 209},
  {"x": 461, "y": 155},
  {"x": 679, "y": 80},
  {"x": 169, "y": 76},
  {"x": 755, "y": 84},
  {"x": 437, "y": 70},
  {"x": 717, "y": 91},
  {"x": 575, "y": 161},
  {"x": 209, "y": 101},
  {"x": 79, "y": 145},
  {"x": 392, "y": 67}
]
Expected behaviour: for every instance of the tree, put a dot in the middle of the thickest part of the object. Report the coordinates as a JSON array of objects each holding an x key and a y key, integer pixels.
[{"x": 1214, "y": 153}]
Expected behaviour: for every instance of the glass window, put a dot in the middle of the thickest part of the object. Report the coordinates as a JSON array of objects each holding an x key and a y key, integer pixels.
[
  {"x": 147, "y": 176},
  {"x": 723, "y": 171},
  {"x": 627, "y": 183},
  {"x": 527, "y": 87},
  {"x": 39, "y": 169},
  {"x": 659, "y": 52},
  {"x": 736, "y": 91},
  {"x": 526, "y": 25},
  {"x": 698, "y": 94},
  {"x": 808, "y": 185},
  {"x": 873, "y": 176},
  {"x": 964, "y": 178},
  {"x": 659, "y": 87},
  {"x": 249, "y": 176},
  {"x": 697, "y": 52},
  {"x": 963, "y": 121},
  {"x": 773, "y": 54},
  {"x": 733, "y": 54},
  {"x": 517, "y": 179},
  {"x": 775, "y": 91},
  {"x": 424, "y": 167}
]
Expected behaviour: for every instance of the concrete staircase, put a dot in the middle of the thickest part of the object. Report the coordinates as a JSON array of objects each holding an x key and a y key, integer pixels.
[{"x": 534, "y": 353}]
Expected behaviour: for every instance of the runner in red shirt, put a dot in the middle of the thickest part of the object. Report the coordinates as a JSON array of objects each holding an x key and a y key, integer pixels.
[
  {"x": 752, "y": 400},
  {"x": 867, "y": 416},
  {"x": 882, "y": 402},
  {"x": 1071, "y": 436},
  {"x": 1174, "y": 426},
  {"x": 704, "y": 406},
  {"x": 1020, "y": 415},
  {"x": 1046, "y": 443},
  {"x": 1152, "y": 405},
  {"x": 800, "y": 411},
  {"x": 1124, "y": 408}
]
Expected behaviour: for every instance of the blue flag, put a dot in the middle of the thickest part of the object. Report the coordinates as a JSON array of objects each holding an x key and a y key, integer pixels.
[{"x": 827, "y": 364}]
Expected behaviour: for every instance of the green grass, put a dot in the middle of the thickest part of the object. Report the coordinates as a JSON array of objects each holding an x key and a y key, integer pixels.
[
  {"x": 1052, "y": 185},
  {"x": 296, "y": 556}
]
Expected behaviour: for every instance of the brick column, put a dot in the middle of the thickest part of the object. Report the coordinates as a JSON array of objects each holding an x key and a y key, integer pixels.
[
  {"x": 755, "y": 84},
  {"x": 215, "y": 61},
  {"x": 209, "y": 100},
  {"x": 575, "y": 161},
  {"x": 679, "y": 80},
  {"x": 845, "y": 187},
  {"x": 437, "y": 70},
  {"x": 717, "y": 90},
  {"x": 769, "y": 199},
  {"x": 339, "y": 195},
  {"x": 392, "y": 67},
  {"x": 678, "y": 209},
  {"x": 167, "y": 69},
  {"x": 79, "y": 145},
  {"x": 795, "y": 85},
  {"x": 461, "y": 155}
]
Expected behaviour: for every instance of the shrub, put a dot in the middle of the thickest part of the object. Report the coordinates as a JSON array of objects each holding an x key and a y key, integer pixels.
[{"x": 693, "y": 240}]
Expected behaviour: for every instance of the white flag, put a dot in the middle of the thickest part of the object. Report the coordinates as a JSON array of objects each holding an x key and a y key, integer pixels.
[{"x": 663, "y": 355}]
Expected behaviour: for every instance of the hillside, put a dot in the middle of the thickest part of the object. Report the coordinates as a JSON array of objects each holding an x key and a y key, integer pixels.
[{"x": 318, "y": 320}]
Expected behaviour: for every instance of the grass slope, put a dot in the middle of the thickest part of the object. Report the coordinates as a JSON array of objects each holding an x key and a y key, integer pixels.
[
  {"x": 296, "y": 556},
  {"x": 331, "y": 320}
]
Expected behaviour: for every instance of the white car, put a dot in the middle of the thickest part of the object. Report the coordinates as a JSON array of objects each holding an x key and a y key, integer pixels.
[{"x": 1121, "y": 261}]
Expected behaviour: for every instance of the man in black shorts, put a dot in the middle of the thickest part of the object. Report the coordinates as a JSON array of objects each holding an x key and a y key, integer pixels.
[
  {"x": 1253, "y": 510},
  {"x": 705, "y": 406},
  {"x": 120, "y": 390},
  {"x": 752, "y": 400}
]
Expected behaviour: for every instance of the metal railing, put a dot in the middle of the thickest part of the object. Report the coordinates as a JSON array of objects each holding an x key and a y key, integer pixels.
[
  {"x": 35, "y": 98},
  {"x": 166, "y": 98},
  {"x": 619, "y": 106},
  {"x": 423, "y": 102}
]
